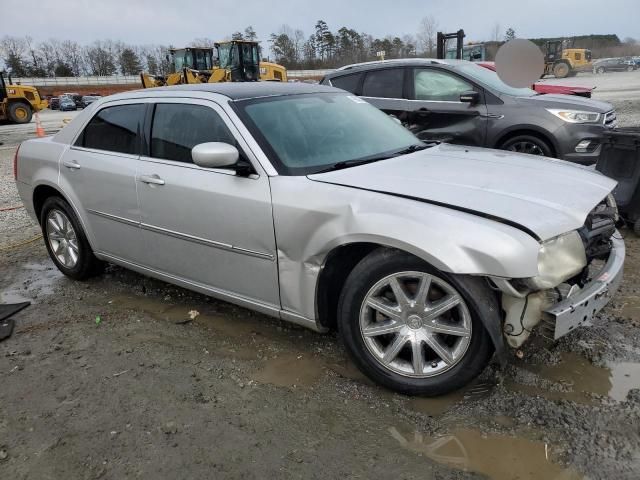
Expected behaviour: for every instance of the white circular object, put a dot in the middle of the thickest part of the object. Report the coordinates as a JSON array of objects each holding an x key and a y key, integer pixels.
[{"x": 519, "y": 63}]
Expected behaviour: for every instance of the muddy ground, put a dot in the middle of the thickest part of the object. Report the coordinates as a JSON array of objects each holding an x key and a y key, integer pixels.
[{"x": 112, "y": 379}]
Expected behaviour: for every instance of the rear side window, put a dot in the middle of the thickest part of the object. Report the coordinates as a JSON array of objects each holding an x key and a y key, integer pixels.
[
  {"x": 177, "y": 128},
  {"x": 349, "y": 83},
  {"x": 114, "y": 129},
  {"x": 384, "y": 83}
]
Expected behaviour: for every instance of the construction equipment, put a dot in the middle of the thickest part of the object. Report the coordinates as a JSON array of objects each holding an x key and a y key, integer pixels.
[
  {"x": 18, "y": 102},
  {"x": 441, "y": 47},
  {"x": 564, "y": 62},
  {"x": 236, "y": 61}
]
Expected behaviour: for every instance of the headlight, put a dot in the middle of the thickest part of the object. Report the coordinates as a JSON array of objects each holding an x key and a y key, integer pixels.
[
  {"x": 575, "y": 116},
  {"x": 559, "y": 259}
]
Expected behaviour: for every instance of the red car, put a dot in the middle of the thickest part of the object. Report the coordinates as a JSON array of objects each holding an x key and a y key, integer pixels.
[{"x": 546, "y": 88}]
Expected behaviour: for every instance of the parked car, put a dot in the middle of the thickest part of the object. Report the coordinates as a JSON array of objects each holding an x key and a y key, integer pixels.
[
  {"x": 543, "y": 88},
  {"x": 54, "y": 103},
  {"x": 613, "y": 65},
  {"x": 89, "y": 99},
  {"x": 306, "y": 203},
  {"x": 460, "y": 102},
  {"x": 67, "y": 103}
]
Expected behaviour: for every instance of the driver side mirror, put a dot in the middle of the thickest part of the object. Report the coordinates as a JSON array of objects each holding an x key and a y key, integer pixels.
[
  {"x": 215, "y": 155},
  {"x": 471, "y": 97}
]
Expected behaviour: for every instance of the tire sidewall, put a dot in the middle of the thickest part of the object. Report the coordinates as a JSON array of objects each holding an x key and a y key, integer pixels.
[
  {"x": 358, "y": 284},
  {"x": 86, "y": 261},
  {"x": 528, "y": 138}
]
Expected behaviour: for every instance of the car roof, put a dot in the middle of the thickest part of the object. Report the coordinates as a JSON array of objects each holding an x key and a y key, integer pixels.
[
  {"x": 399, "y": 62},
  {"x": 240, "y": 90}
]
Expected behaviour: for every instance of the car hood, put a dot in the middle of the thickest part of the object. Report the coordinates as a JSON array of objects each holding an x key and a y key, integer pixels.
[
  {"x": 567, "y": 101},
  {"x": 543, "y": 196}
]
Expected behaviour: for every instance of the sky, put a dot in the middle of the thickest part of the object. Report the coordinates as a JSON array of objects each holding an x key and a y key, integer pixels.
[{"x": 177, "y": 22}]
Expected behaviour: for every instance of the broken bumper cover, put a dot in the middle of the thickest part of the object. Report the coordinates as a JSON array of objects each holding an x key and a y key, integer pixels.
[{"x": 563, "y": 317}]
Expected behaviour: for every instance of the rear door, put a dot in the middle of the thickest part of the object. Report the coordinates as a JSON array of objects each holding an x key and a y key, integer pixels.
[
  {"x": 98, "y": 174},
  {"x": 436, "y": 112},
  {"x": 208, "y": 227},
  {"x": 385, "y": 89}
]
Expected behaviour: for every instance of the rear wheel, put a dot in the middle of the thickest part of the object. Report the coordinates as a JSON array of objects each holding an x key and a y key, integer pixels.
[
  {"x": 527, "y": 144},
  {"x": 561, "y": 70},
  {"x": 20, "y": 112},
  {"x": 410, "y": 327},
  {"x": 66, "y": 242}
]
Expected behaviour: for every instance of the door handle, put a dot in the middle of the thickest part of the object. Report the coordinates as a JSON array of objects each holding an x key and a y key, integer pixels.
[
  {"x": 151, "y": 179},
  {"x": 71, "y": 164}
]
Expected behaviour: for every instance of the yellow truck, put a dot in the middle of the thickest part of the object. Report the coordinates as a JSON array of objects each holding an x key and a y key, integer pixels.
[
  {"x": 565, "y": 62},
  {"x": 18, "y": 102}
]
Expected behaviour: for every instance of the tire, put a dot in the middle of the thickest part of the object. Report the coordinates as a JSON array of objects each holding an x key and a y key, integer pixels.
[
  {"x": 600, "y": 70},
  {"x": 561, "y": 70},
  {"x": 20, "y": 112},
  {"x": 433, "y": 374},
  {"x": 527, "y": 144},
  {"x": 63, "y": 235},
  {"x": 630, "y": 68}
]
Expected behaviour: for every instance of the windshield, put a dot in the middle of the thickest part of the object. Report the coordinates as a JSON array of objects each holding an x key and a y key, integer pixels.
[
  {"x": 492, "y": 80},
  {"x": 179, "y": 61},
  {"x": 226, "y": 55},
  {"x": 303, "y": 134}
]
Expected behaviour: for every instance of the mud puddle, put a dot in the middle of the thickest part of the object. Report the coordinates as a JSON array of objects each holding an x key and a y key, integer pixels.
[
  {"x": 499, "y": 457},
  {"x": 34, "y": 280},
  {"x": 577, "y": 379}
]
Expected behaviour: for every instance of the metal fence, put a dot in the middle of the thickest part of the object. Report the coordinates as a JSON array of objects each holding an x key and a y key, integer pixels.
[{"x": 126, "y": 79}]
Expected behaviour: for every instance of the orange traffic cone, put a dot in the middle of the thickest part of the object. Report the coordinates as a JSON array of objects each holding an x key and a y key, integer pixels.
[{"x": 39, "y": 129}]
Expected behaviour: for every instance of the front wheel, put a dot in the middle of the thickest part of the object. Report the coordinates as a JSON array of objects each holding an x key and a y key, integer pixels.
[
  {"x": 527, "y": 144},
  {"x": 20, "y": 112},
  {"x": 600, "y": 70},
  {"x": 410, "y": 327},
  {"x": 630, "y": 68}
]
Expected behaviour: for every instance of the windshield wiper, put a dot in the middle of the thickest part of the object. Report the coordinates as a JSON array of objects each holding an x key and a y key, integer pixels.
[{"x": 354, "y": 163}]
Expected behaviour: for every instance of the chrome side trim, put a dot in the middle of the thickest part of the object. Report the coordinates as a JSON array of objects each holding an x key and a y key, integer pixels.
[
  {"x": 185, "y": 236},
  {"x": 208, "y": 243},
  {"x": 116, "y": 218},
  {"x": 224, "y": 295}
]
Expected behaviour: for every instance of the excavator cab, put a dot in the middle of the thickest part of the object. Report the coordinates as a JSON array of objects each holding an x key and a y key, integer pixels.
[
  {"x": 241, "y": 59},
  {"x": 200, "y": 59}
]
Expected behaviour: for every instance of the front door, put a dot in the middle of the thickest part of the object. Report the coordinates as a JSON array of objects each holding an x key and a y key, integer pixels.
[
  {"x": 436, "y": 112},
  {"x": 98, "y": 175},
  {"x": 208, "y": 227}
]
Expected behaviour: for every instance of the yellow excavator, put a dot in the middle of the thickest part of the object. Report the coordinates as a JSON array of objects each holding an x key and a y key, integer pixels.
[
  {"x": 18, "y": 102},
  {"x": 237, "y": 61}
]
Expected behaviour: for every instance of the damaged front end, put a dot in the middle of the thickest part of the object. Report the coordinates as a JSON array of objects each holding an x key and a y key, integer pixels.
[{"x": 578, "y": 274}]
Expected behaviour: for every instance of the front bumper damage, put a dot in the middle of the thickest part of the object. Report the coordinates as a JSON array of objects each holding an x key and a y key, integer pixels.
[
  {"x": 580, "y": 308},
  {"x": 561, "y": 313}
]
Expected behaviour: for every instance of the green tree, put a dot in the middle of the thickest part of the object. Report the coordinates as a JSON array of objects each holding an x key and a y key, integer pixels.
[
  {"x": 250, "y": 34},
  {"x": 237, "y": 36},
  {"x": 510, "y": 34},
  {"x": 129, "y": 62}
]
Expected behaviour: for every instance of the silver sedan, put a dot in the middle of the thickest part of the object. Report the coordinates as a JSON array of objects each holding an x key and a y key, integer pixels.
[{"x": 308, "y": 204}]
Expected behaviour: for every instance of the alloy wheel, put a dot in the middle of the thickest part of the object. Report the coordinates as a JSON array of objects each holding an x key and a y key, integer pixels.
[
  {"x": 62, "y": 238},
  {"x": 526, "y": 147},
  {"x": 415, "y": 324}
]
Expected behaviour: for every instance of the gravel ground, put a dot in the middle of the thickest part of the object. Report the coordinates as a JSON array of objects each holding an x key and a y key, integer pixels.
[{"x": 110, "y": 378}]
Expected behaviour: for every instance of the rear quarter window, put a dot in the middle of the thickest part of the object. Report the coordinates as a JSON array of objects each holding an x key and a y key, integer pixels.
[
  {"x": 350, "y": 83},
  {"x": 114, "y": 129}
]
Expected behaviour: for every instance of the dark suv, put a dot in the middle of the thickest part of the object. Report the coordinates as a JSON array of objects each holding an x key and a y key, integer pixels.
[
  {"x": 460, "y": 102},
  {"x": 614, "y": 65}
]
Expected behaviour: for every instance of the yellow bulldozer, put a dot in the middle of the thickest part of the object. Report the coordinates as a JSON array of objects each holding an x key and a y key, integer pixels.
[
  {"x": 565, "y": 62},
  {"x": 236, "y": 61},
  {"x": 18, "y": 102}
]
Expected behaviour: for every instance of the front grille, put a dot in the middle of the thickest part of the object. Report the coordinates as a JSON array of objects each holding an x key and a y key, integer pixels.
[{"x": 610, "y": 119}]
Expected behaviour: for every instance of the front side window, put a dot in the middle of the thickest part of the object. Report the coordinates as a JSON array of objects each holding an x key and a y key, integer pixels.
[
  {"x": 177, "y": 128},
  {"x": 385, "y": 83},
  {"x": 349, "y": 83},
  {"x": 114, "y": 129},
  {"x": 435, "y": 85},
  {"x": 303, "y": 134}
]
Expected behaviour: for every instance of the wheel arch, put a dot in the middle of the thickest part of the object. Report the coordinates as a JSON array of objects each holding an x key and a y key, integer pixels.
[{"x": 532, "y": 130}]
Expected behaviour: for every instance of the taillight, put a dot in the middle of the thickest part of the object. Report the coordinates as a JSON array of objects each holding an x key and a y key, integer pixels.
[{"x": 15, "y": 164}]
